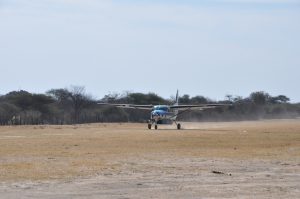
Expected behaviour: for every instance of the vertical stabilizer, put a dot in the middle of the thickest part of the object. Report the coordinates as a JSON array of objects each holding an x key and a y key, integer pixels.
[
  {"x": 177, "y": 99},
  {"x": 176, "y": 104}
]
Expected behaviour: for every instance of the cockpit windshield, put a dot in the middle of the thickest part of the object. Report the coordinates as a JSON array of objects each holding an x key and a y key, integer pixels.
[{"x": 161, "y": 108}]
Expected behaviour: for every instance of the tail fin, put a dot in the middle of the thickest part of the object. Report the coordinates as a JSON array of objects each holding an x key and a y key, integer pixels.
[
  {"x": 176, "y": 104},
  {"x": 177, "y": 99}
]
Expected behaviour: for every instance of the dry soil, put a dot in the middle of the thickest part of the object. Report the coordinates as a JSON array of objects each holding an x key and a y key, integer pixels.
[{"x": 258, "y": 159}]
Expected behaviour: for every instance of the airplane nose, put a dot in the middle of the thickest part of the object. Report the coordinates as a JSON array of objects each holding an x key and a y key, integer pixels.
[{"x": 155, "y": 114}]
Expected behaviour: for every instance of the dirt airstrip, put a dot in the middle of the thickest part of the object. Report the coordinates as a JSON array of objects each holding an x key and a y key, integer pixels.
[{"x": 259, "y": 159}]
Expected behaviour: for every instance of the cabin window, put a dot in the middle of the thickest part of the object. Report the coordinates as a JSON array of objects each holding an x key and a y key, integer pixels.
[{"x": 162, "y": 108}]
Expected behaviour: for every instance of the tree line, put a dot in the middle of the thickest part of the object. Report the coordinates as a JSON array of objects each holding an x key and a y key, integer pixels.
[{"x": 74, "y": 106}]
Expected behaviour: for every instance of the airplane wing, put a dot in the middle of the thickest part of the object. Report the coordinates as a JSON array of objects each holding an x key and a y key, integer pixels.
[
  {"x": 197, "y": 107},
  {"x": 184, "y": 108},
  {"x": 129, "y": 106}
]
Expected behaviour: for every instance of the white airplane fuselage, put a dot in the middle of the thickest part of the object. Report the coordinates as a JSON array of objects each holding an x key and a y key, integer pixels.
[{"x": 161, "y": 113}]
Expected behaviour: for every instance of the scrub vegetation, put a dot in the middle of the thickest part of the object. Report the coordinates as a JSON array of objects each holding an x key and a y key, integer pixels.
[{"x": 74, "y": 106}]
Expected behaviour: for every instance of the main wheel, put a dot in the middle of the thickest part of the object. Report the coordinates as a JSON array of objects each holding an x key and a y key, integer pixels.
[
  {"x": 149, "y": 126},
  {"x": 178, "y": 126},
  {"x": 155, "y": 127}
]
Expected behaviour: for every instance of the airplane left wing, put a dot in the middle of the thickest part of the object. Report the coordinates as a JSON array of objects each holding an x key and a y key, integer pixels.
[
  {"x": 197, "y": 107},
  {"x": 129, "y": 106}
]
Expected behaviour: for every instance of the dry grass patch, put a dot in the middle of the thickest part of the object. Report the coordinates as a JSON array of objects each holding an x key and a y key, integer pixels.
[{"x": 62, "y": 152}]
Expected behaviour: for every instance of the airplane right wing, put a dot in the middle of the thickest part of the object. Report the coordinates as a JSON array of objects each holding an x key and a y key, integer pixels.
[{"x": 128, "y": 106}]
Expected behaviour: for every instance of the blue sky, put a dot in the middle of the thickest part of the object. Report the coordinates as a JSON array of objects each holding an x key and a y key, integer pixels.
[{"x": 209, "y": 48}]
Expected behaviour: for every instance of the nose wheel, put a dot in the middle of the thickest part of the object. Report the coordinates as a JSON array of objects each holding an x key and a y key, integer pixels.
[
  {"x": 178, "y": 126},
  {"x": 149, "y": 126}
]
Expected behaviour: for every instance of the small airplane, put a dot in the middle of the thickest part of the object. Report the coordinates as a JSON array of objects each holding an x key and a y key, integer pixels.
[{"x": 166, "y": 114}]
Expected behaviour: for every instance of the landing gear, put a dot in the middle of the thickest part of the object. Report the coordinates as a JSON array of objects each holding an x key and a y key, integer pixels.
[
  {"x": 155, "y": 123},
  {"x": 152, "y": 122},
  {"x": 178, "y": 125}
]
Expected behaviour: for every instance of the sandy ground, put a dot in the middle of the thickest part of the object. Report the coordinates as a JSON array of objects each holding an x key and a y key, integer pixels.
[{"x": 204, "y": 160}]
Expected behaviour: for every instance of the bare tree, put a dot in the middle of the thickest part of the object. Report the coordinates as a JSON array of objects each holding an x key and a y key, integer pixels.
[
  {"x": 79, "y": 100},
  {"x": 72, "y": 100}
]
